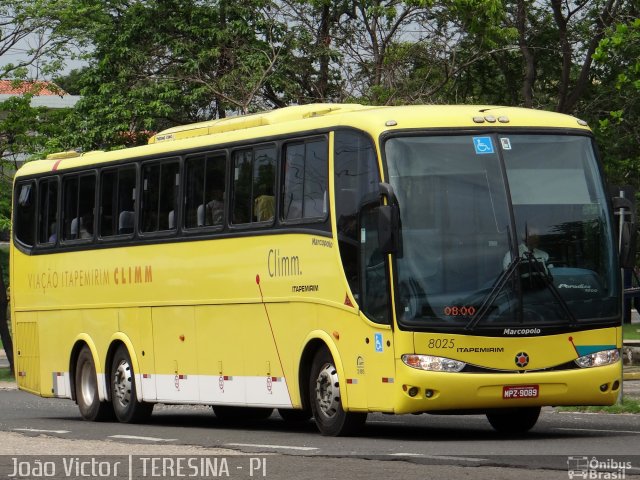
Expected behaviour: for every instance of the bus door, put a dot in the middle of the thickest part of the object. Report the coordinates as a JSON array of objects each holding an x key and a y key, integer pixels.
[{"x": 375, "y": 303}]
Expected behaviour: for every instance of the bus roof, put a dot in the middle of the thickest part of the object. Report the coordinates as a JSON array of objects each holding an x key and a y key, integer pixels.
[{"x": 373, "y": 120}]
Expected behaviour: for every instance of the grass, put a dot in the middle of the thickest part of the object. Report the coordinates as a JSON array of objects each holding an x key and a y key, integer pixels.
[
  {"x": 6, "y": 375},
  {"x": 628, "y": 405},
  {"x": 631, "y": 331}
]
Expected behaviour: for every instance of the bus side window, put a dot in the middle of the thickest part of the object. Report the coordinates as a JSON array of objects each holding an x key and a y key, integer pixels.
[
  {"x": 48, "y": 211},
  {"x": 356, "y": 178},
  {"x": 78, "y": 206},
  {"x": 254, "y": 185},
  {"x": 204, "y": 193},
  {"x": 374, "y": 287},
  {"x": 305, "y": 183},
  {"x": 117, "y": 201},
  {"x": 160, "y": 183},
  {"x": 25, "y": 215}
]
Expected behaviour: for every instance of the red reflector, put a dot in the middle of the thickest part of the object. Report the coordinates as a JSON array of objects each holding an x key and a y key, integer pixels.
[
  {"x": 387, "y": 380},
  {"x": 347, "y": 300}
]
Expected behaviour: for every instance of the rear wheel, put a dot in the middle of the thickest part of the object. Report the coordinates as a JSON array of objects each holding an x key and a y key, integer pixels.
[
  {"x": 514, "y": 421},
  {"x": 86, "y": 386},
  {"x": 127, "y": 407},
  {"x": 326, "y": 403}
]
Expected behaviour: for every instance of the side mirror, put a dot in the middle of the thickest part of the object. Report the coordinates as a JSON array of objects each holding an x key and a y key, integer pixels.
[
  {"x": 388, "y": 221},
  {"x": 624, "y": 208},
  {"x": 388, "y": 228}
]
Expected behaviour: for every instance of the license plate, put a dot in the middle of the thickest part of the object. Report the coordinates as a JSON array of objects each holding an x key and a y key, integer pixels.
[{"x": 510, "y": 392}]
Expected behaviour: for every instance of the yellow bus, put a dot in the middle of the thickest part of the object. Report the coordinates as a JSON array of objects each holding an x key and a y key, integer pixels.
[{"x": 326, "y": 261}]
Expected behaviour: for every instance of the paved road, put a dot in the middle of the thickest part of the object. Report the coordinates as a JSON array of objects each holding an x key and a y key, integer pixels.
[{"x": 396, "y": 447}]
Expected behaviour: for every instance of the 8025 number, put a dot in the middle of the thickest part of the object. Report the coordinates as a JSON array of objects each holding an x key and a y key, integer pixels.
[{"x": 441, "y": 343}]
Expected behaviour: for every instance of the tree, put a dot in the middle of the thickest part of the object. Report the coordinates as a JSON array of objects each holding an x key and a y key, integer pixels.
[
  {"x": 617, "y": 105},
  {"x": 159, "y": 63},
  {"x": 5, "y": 335},
  {"x": 45, "y": 32}
]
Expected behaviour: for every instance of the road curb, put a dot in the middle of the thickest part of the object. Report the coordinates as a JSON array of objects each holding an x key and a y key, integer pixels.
[{"x": 631, "y": 376}]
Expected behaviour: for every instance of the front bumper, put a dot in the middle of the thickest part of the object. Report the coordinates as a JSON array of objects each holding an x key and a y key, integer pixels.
[{"x": 424, "y": 391}]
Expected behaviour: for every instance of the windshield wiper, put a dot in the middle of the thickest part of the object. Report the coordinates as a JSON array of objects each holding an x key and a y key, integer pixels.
[
  {"x": 496, "y": 288},
  {"x": 548, "y": 282}
]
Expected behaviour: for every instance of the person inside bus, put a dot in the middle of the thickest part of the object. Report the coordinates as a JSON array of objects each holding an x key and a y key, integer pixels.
[
  {"x": 54, "y": 236},
  {"x": 264, "y": 208},
  {"x": 215, "y": 208},
  {"x": 86, "y": 226},
  {"x": 529, "y": 247}
]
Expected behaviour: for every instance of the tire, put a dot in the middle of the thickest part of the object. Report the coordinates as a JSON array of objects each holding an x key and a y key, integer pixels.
[
  {"x": 515, "y": 421},
  {"x": 86, "y": 386},
  {"x": 126, "y": 406},
  {"x": 241, "y": 414},
  {"x": 294, "y": 416},
  {"x": 325, "y": 400}
]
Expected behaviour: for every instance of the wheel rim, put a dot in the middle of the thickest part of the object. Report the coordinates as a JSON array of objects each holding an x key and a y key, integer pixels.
[
  {"x": 122, "y": 383},
  {"x": 328, "y": 391},
  {"x": 87, "y": 385}
]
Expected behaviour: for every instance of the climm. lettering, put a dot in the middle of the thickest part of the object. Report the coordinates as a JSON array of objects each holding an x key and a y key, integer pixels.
[
  {"x": 282, "y": 265},
  {"x": 125, "y": 275}
]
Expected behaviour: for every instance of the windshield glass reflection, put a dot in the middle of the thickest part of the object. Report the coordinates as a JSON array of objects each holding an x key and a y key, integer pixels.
[{"x": 470, "y": 261}]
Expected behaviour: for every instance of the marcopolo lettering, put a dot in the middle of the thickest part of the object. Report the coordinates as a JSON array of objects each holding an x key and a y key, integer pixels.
[{"x": 522, "y": 331}]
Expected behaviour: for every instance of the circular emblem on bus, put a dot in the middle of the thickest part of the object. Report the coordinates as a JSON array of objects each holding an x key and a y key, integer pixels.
[{"x": 522, "y": 359}]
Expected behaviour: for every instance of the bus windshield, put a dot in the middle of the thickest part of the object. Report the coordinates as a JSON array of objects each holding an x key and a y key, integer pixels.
[{"x": 501, "y": 231}]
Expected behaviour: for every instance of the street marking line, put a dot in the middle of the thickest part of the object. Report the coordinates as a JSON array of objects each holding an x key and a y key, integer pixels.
[
  {"x": 39, "y": 430},
  {"x": 386, "y": 422},
  {"x": 136, "y": 437},
  {"x": 453, "y": 457},
  {"x": 439, "y": 457},
  {"x": 257, "y": 445},
  {"x": 598, "y": 430}
]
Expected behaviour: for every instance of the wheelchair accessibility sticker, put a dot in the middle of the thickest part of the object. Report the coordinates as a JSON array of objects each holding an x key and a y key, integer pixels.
[
  {"x": 483, "y": 145},
  {"x": 378, "y": 341}
]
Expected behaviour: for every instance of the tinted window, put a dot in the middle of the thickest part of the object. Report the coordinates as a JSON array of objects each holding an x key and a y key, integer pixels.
[
  {"x": 205, "y": 191},
  {"x": 160, "y": 183},
  {"x": 25, "y": 213},
  {"x": 253, "y": 185},
  {"x": 78, "y": 200},
  {"x": 356, "y": 178},
  {"x": 48, "y": 211},
  {"x": 117, "y": 201},
  {"x": 305, "y": 181}
]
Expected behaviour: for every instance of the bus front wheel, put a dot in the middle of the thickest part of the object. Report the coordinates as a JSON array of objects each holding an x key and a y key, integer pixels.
[
  {"x": 326, "y": 403},
  {"x": 86, "y": 386},
  {"x": 126, "y": 406},
  {"x": 514, "y": 421}
]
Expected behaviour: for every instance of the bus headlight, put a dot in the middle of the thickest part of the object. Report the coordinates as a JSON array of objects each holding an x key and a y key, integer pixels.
[
  {"x": 598, "y": 359},
  {"x": 433, "y": 364}
]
